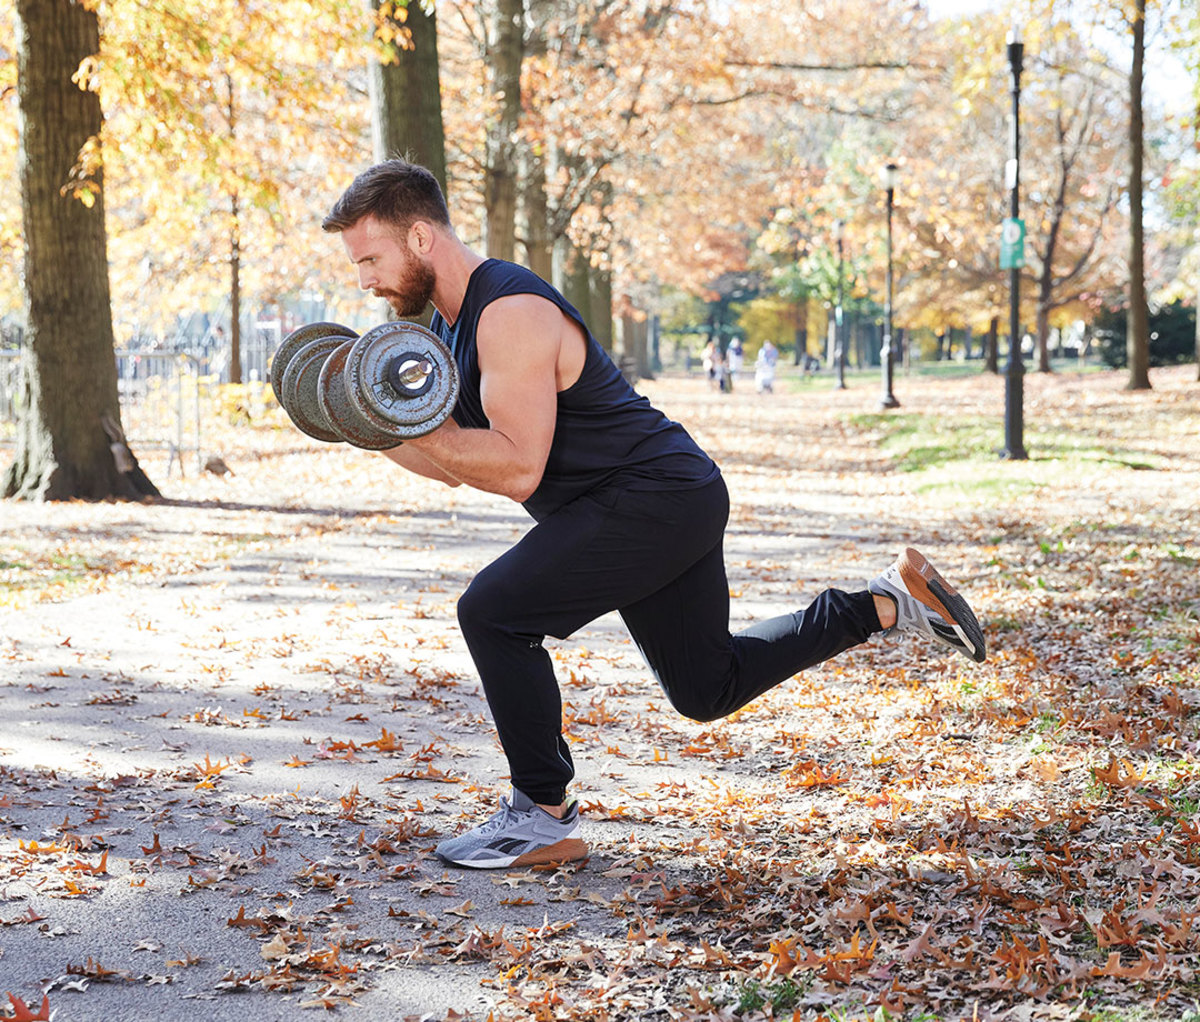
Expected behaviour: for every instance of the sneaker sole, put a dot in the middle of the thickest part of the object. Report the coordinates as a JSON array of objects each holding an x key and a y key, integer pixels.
[
  {"x": 927, "y": 585},
  {"x": 567, "y": 850}
]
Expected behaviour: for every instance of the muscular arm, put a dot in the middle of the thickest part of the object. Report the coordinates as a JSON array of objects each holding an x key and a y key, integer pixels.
[
  {"x": 410, "y": 458},
  {"x": 519, "y": 340}
]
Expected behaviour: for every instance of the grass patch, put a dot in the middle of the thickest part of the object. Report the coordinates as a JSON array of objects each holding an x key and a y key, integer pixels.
[{"x": 919, "y": 443}]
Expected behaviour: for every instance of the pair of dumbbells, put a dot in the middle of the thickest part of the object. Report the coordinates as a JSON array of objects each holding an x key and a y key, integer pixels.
[{"x": 395, "y": 382}]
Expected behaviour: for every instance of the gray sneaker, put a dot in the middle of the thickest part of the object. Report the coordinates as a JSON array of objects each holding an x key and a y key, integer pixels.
[
  {"x": 520, "y": 834},
  {"x": 926, "y": 602}
]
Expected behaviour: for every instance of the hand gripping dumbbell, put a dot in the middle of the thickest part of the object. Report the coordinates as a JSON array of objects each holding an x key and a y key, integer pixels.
[{"x": 395, "y": 382}]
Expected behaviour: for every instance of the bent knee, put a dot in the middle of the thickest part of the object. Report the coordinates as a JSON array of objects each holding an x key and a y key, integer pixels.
[
  {"x": 490, "y": 600},
  {"x": 697, "y": 706}
]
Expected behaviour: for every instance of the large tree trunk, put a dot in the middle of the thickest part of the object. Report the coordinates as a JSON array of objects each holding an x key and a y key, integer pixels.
[
  {"x": 63, "y": 451},
  {"x": 500, "y": 187},
  {"x": 1138, "y": 336},
  {"x": 406, "y": 98}
]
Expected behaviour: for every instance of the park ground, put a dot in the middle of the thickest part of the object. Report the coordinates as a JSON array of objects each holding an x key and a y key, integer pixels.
[{"x": 236, "y": 721}]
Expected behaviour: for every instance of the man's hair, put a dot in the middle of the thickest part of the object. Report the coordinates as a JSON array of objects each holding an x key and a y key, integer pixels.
[{"x": 395, "y": 192}]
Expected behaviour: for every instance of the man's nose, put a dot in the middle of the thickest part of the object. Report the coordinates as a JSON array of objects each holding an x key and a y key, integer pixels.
[{"x": 366, "y": 278}]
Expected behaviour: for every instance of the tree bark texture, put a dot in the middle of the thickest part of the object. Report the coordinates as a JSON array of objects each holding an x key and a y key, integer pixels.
[
  {"x": 406, "y": 97},
  {"x": 70, "y": 375},
  {"x": 500, "y": 188},
  {"x": 1138, "y": 336}
]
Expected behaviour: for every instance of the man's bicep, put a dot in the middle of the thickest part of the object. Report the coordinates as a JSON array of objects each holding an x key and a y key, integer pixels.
[{"x": 518, "y": 343}]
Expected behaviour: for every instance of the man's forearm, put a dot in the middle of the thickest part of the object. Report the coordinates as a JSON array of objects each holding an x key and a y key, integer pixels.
[
  {"x": 483, "y": 458},
  {"x": 410, "y": 458}
]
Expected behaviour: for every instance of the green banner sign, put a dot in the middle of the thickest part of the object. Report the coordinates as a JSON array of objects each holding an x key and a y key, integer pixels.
[{"x": 1012, "y": 244}]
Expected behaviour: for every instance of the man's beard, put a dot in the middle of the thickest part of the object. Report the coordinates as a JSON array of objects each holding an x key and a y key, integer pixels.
[{"x": 416, "y": 289}]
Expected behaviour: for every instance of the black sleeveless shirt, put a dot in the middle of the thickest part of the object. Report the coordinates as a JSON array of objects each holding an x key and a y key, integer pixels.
[{"x": 605, "y": 433}]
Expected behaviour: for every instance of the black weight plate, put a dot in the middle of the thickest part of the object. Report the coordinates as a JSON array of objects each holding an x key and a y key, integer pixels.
[
  {"x": 342, "y": 416},
  {"x": 407, "y": 412},
  {"x": 299, "y": 389},
  {"x": 294, "y": 342}
]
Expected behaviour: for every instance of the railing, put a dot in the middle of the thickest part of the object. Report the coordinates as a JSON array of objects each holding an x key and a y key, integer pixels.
[{"x": 160, "y": 401}]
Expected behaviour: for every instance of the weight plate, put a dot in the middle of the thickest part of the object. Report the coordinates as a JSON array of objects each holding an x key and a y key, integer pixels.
[
  {"x": 294, "y": 342},
  {"x": 299, "y": 389},
  {"x": 342, "y": 416},
  {"x": 406, "y": 410}
]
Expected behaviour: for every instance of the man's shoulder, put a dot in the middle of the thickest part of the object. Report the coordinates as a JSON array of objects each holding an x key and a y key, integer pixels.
[{"x": 499, "y": 273}]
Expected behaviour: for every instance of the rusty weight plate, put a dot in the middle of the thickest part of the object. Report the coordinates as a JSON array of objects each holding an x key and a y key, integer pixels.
[
  {"x": 294, "y": 342},
  {"x": 402, "y": 379},
  {"x": 298, "y": 389},
  {"x": 342, "y": 415}
]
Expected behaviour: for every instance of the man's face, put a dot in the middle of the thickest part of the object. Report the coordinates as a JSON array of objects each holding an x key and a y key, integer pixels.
[{"x": 388, "y": 268}]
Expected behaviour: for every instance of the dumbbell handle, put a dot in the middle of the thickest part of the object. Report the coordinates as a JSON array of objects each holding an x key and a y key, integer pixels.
[
  {"x": 410, "y": 374},
  {"x": 415, "y": 373}
]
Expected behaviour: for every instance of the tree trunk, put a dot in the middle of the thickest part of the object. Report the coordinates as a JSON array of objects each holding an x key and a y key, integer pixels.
[
  {"x": 235, "y": 293},
  {"x": 1043, "y": 328},
  {"x": 406, "y": 97},
  {"x": 1198, "y": 338},
  {"x": 500, "y": 186},
  {"x": 600, "y": 307},
  {"x": 571, "y": 276},
  {"x": 635, "y": 345},
  {"x": 70, "y": 378},
  {"x": 991, "y": 346},
  {"x": 1138, "y": 338},
  {"x": 235, "y": 252},
  {"x": 539, "y": 244},
  {"x": 801, "y": 338}
]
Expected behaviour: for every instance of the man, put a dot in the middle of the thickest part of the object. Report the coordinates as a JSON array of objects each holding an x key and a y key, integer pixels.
[{"x": 630, "y": 514}]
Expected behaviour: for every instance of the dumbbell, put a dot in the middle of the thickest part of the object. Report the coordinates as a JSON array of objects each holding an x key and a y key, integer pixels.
[{"x": 395, "y": 382}]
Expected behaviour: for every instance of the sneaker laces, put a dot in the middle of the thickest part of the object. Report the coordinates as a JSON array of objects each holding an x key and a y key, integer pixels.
[{"x": 498, "y": 819}]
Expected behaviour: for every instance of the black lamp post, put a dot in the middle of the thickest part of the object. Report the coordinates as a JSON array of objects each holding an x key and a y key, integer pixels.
[
  {"x": 839, "y": 345},
  {"x": 888, "y": 400},
  {"x": 1014, "y": 374}
]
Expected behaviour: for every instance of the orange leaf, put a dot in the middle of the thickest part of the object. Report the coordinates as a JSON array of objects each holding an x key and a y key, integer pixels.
[
  {"x": 1115, "y": 777},
  {"x": 21, "y": 1012}
]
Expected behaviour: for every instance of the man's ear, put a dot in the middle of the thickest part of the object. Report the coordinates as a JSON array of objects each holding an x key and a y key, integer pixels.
[{"x": 421, "y": 237}]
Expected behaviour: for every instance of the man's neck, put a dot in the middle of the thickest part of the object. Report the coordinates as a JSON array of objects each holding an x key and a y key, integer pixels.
[{"x": 453, "y": 270}]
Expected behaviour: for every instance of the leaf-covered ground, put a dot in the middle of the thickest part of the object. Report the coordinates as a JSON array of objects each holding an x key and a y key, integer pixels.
[{"x": 236, "y": 722}]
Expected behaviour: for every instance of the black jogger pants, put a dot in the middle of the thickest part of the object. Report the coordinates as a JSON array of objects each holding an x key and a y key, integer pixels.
[{"x": 657, "y": 558}]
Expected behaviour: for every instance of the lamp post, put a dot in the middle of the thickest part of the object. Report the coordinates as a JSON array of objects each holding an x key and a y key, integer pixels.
[
  {"x": 1014, "y": 373},
  {"x": 888, "y": 400},
  {"x": 839, "y": 348}
]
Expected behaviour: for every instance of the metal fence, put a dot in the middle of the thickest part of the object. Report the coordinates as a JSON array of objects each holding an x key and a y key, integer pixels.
[{"x": 160, "y": 401}]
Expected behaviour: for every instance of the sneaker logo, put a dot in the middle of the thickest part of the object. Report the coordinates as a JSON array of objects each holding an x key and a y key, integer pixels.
[{"x": 507, "y": 845}]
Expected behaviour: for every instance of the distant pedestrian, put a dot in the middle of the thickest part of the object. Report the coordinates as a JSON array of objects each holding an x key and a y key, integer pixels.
[
  {"x": 714, "y": 365},
  {"x": 764, "y": 368},
  {"x": 737, "y": 358}
]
